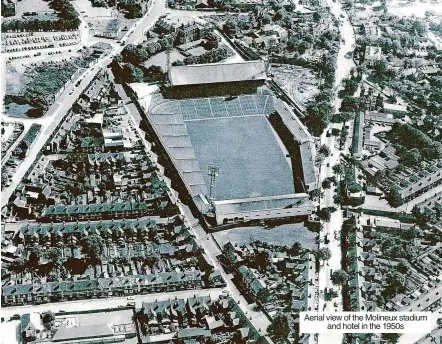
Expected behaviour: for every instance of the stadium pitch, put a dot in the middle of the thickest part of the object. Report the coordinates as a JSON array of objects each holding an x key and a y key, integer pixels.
[{"x": 251, "y": 162}]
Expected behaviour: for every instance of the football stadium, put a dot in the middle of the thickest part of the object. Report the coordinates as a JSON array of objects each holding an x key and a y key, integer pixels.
[{"x": 231, "y": 159}]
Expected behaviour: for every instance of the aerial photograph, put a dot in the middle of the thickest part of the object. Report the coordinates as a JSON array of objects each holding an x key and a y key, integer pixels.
[{"x": 220, "y": 171}]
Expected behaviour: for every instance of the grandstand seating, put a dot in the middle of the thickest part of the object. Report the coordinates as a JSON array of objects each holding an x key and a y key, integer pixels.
[{"x": 192, "y": 109}]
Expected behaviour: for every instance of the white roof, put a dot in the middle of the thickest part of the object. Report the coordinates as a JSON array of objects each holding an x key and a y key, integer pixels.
[
  {"x": 217, "y": 73},
  {"x": 395, "y": 107}
]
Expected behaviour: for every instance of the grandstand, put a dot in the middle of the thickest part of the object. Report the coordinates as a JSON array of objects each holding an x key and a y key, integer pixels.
[
  {"x": 205, "y": 108},
  {"x": 216, "y": 79},
  {"x": 234, "y": 133}
]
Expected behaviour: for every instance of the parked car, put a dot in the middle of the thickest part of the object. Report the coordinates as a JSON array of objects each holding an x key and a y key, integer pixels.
[
  {"x": 131, "y": 298},
  {"x": 131, "y": 304}
]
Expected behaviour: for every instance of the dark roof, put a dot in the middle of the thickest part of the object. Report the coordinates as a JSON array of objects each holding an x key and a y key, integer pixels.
[
  {"x": 160, "y": 279},
  {"x": 217, "y": 73}
]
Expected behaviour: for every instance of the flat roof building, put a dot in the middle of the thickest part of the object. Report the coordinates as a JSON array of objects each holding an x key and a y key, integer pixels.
[
  {"x": 217, "y": 73},
  {"x": 224, "y": 79},
  {"x": 248, "y": 209}
]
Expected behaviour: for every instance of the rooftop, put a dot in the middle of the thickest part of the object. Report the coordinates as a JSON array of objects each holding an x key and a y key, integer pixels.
[
  {"x": 82, "y": 332},
  {"x": 217, "y": 72},
  {"x": 262, "y": 203}
]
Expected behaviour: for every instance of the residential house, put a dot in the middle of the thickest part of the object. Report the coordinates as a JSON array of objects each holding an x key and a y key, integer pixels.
[
  {"x": 20, "y": 294},
  {"x": 30, "y": 326}
]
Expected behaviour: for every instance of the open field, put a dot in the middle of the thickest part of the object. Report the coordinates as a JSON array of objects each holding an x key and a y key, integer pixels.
[
  {"x": 43, "y": 79},
  {"x": 286, "y": 234},
  {"x": 98, "y": 18},
  {"x": 418, "y": 9},
  {"x": 16, "y": 79},
  {"x": 251, "y": 162},
  {"x": 161, "y": 60},
  {"x": 300, "y": 83}
]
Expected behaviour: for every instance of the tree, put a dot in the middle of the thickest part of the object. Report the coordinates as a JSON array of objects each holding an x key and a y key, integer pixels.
[
  {"x": 54, "y": 255},
  {"x": 295, "y": 249},
  {"x": 318, "y": 117},
  {"x": 262, "y": 296},
  {"x": 337, "y": 199},
  {"x": 324, "y": 150},
  {"x": 261, "y": 260},
  {"x": 402, "y": 268},
  {"x": 230, "y": 27},
  {"x": 349, "y": 104},
  {"x": 391, "y": 338},
  {"x": 279, "y": 328},
  {"x": 34, "y": 257},
  {"x": 93, "y": 246},
  {"x": 420, "y": 27},
  {"x": 154, "y": 73},
  {"x": 338, "y": 169},
  {"x": 394, "y": 198},
  {"x": 48, "y": 319},
  {"x": 346, "y": 116},
  {"x": 326, "y": 183},
  {"x": 439, "y": 322},
  {"x": 396, "y": 251},
  {"x": 412, "y": 158},
  {"x": 350, "y": 87},
  {"x": 134, "y": 54},
  {"x": 210, "y": 41},
  {"x": 315, "y": 227},
  {"x": 394, "y": 284},
  {"x": 171, "y": 3},
  {"x": 324, "y": 214},
  {"x": 339, "y": 277},
  {"x": 132, "y": 73},
  {"x": 324, "y": 253},
  {"x": 422, "y": 217}
]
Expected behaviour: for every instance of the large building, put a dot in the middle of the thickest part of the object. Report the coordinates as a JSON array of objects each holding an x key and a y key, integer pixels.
[
  {"x": 216, "y": 79},
  {"x": 232, "y": 160},
  {"x": 238, "y": 210},
  {"x": 8, "y": 8},
  {"x": 96, "y": 327},
  {"x": 188, "y": 33}
]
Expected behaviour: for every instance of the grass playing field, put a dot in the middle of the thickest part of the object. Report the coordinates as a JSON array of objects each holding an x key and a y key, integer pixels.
[{"x": 251, "y": 162}]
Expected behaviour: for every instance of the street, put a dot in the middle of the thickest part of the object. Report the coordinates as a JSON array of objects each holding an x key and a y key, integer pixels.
[{"x": 344, "y": 66}]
